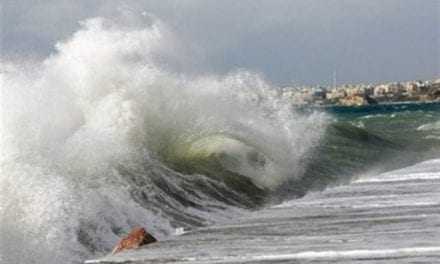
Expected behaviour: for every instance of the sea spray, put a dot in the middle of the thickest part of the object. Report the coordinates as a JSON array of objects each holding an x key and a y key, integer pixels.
[{"x": 92, "y": 137}]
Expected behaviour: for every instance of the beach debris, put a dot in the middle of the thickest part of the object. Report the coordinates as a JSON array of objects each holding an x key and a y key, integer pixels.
[{"x": 136, "y": 238}]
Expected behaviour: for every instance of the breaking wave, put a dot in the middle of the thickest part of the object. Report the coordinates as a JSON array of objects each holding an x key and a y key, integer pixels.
[
  {"x": 105, "y": 134},
  {"x": 102, "y": 136}
]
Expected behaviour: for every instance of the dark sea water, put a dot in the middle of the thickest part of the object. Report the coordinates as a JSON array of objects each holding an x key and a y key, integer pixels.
[{"x": 375, "y": 139}]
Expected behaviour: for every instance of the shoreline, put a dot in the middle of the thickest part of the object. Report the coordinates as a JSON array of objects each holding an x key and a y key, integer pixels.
[
  {"x": 332, "y": 106},
  {"x": 364, "y": 94}
]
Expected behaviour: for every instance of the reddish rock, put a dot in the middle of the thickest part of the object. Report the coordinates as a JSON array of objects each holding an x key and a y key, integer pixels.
[{"x": 136, "y": 238}]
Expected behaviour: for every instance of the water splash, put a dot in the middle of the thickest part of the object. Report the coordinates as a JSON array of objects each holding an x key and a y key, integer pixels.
[{"x": 92, "y": 136}]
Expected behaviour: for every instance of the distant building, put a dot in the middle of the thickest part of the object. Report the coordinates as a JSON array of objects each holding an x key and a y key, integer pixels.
[
  {"x": 353, "y": 100},
  {"x": 362, "y": 94},
  {"x": 380, "y": 90},
  {"x": 396, "y": 88},
  {"x": 319, "y": 93},
  {"x": 412, "y": 88},
  {"x": 336, "y": 94}
]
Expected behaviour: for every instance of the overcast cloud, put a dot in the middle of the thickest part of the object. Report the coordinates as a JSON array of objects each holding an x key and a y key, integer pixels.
[{"x": 288, "y": 41}]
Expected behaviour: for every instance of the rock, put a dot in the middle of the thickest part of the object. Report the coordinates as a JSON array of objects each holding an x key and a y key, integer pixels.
[{"x": 136, "y": 238}]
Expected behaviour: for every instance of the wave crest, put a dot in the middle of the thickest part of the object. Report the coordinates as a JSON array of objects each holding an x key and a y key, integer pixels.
[{"x": 94, "y": 140}]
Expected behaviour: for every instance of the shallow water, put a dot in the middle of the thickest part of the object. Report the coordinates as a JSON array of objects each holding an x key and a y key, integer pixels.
[{"x": 389, "y": 218}]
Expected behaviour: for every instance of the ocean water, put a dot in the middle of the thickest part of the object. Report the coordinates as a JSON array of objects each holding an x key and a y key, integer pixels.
[
  {"x": 102, "y": 136},
  {"x": 391, "y": 218}
]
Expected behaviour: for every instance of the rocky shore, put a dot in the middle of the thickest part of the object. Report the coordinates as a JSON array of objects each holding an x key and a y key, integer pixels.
[{"x": 364, "y": 94}]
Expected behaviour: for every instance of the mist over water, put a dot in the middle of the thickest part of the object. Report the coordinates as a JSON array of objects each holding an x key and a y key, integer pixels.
[{"x": 103, "y": 135}]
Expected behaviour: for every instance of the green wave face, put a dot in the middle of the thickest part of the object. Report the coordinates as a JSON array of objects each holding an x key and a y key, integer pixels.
[{"x": 223, "y": 156}]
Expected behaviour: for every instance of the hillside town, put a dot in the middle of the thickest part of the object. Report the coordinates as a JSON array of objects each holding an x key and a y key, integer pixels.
[{"x": 364, "y": 94}]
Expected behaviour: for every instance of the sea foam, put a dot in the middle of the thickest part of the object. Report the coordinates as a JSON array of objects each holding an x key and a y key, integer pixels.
[{"x": 86, "y": 133}]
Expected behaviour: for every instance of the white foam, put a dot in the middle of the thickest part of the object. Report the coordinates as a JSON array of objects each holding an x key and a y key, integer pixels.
[
  {"x": 179, "y": 231},
  {"x": 375, "y": 253},
  {"x": 333, "y": 254},
  {"x": 401, "y": 177},
  {"x": 429, "y": 126},
  {"x": 427, "y": 170},
  {"x": 105, "y": 99}
]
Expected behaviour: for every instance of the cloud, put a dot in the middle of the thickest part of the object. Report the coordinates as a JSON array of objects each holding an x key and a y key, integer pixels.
[{"x": 303, "y": 41}]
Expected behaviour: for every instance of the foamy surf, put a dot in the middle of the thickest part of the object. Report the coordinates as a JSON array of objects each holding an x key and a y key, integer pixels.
[
  {"x": 331, "y": 255},
  {"x": 427, "y": 170},
  {"x": 371, "y": 222}
]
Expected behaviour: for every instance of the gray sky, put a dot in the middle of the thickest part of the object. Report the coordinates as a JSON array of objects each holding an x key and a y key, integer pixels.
[{"x": 286, "y": 40}]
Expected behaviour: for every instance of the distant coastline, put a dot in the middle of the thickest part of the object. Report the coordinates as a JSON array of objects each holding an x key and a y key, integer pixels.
[{"x": 365, "y": 94}]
